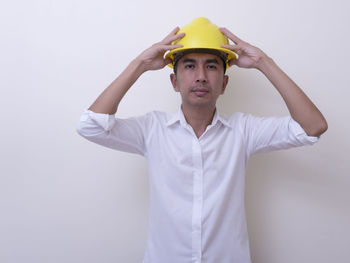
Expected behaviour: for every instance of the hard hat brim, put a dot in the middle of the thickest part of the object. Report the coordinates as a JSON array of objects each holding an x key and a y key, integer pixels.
[{"x": 230, "y": 54}]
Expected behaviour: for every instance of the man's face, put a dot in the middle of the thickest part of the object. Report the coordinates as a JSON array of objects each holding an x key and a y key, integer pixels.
[{"x": 200, "y": 79}]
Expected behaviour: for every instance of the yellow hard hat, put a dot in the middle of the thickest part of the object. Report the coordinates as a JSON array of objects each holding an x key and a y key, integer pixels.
[{"x": 201, "y": 34}]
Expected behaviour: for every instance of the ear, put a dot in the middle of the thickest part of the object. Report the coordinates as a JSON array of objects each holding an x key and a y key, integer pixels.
[
  {"x": 224, "y": 84},
  {"x": 173, "y": 79}
]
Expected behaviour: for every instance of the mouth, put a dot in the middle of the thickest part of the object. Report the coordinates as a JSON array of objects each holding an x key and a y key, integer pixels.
[{"x": 200, "y": 91}]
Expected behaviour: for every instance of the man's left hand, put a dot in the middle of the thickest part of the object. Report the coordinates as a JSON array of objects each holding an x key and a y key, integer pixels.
[{"x": 249, "y": 56}]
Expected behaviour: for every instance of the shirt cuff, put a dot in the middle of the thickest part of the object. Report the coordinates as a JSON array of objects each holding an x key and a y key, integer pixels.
[
  {"x": 106, "y": 121},
  {"x": 300, "y": 134}
]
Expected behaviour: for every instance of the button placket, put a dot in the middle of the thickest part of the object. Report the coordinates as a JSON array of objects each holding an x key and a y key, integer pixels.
[{"x": 197, "y": 201}]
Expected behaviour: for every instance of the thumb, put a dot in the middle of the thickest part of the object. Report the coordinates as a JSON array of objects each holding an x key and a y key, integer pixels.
[
  {"x": 168, "y": 61},
  {"x": 233, "y": 62}
]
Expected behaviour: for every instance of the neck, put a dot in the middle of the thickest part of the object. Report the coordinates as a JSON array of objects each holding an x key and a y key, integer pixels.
[{"x": 198, "y": 118}]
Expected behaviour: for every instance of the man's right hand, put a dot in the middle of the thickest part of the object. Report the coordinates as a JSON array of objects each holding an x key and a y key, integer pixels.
[
  {"x": 153, "y": 57},
  {"x": 150, "y": 59}
]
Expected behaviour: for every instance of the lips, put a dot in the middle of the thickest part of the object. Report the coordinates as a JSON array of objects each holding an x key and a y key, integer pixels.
[{"x": 200, "y": 91}]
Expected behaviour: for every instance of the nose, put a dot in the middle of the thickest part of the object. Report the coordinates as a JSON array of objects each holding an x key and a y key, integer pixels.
[{"x": 201, "y": 75}]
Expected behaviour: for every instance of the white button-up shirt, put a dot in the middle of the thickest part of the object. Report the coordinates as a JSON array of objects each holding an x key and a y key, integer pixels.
[{"x": 197, "y": 211}]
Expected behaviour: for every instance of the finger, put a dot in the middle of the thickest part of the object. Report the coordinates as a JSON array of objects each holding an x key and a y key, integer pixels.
[
  {"x": 235, "y": 48},
  {"x": 170, "y": 47},
  {"x": 230, "y": 35},
  {"x": 173, "y": 32},
  {"x": 172, "y": 36}
]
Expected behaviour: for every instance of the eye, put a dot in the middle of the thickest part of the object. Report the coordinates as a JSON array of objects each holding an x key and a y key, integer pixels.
[
  {"x": 189, "y": 66},
  {"x": 212, "y": 66}
]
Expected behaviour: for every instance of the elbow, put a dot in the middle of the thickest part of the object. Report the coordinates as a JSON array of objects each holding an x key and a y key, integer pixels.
[
  {"x": 79, "y": 129},
  {"x": 323, "y": 127},
  {"x": 318, "y": 129},
  {"x": 83, "y": 129}
]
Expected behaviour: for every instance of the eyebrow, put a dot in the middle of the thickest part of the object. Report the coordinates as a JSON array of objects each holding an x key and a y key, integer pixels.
[{"x": 191, "y": 60}]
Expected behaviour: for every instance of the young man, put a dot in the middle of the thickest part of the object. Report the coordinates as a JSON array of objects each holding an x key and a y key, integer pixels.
[{"x": 197, "y": 157}]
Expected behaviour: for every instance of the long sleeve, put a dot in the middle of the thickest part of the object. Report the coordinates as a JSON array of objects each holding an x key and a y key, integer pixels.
[
  {"x": 274, "y": 133},
  {"x": 120, "y": 134}
]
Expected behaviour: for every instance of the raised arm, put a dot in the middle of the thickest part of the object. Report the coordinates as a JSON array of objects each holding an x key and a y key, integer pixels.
[
  {"x": 151, "y": 59},
  {"x": 299, "y": 105}
]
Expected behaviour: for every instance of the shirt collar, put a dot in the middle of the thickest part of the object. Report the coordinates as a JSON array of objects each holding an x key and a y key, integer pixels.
[{"x": 179, "y": 117}]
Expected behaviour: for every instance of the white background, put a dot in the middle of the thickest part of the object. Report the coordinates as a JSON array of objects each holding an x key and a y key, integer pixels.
[{"x": 64, "y": 199}]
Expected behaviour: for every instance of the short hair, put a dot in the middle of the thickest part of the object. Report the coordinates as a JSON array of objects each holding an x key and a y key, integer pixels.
[{"x": 220, "y": 54}]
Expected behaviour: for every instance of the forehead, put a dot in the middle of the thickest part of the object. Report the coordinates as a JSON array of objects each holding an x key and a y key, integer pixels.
[{"x": 200, "y": 57}]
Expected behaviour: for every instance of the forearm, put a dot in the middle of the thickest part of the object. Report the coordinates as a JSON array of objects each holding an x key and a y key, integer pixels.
[
  {"x": 299, "y": 105},
  {"x": 110, "y": 98},
  {"x": 150, "y": 59}
]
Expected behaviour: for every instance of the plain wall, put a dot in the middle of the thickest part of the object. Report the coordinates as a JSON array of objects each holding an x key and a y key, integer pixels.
[{"x": 64, "y": 199}]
